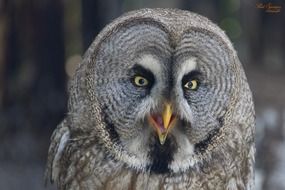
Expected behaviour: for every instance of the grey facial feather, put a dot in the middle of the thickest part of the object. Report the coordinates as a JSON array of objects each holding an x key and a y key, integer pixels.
[{"x": 112, "y": 143}]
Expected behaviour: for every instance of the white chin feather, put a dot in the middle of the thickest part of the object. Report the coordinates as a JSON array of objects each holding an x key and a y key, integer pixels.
[
  {"x": 136, "y": 147},
  {"x": 184, "y": 157}
]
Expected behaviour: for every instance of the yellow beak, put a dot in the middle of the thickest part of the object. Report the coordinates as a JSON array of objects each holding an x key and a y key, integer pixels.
[{"x": 163, "y": 123}]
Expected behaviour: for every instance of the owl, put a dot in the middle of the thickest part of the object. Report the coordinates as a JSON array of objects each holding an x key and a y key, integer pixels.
[{"x": 159, "y": 101}]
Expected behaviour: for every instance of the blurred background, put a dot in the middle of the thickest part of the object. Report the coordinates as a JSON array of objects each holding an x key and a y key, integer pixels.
[{"x": 41, "y": 42}]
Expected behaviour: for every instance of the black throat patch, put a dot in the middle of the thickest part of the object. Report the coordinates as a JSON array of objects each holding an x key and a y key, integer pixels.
[{"x": 161, "y": 155}]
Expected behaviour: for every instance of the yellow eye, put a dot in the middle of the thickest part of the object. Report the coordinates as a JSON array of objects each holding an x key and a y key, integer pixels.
[
  {"x": 140, "y": 81},
  {"x": 192, "y": 85}
]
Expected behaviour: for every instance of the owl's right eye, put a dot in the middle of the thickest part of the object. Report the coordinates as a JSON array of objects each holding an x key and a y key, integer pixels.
[
  {"x": 140, "y": 81},
  {"x": 142, "y": 77}
]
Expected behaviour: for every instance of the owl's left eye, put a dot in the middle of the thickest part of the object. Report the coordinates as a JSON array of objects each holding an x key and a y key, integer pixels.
[
  {"x": 191, "y": 85},
  {"x": 140, "y": 81},
  {"x": 191, "y": 81}
]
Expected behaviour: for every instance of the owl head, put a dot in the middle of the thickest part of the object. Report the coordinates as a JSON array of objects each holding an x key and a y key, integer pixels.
[{"x": 161, "y": 91}]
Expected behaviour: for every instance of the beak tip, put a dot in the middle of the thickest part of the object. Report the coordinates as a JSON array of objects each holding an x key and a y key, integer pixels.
[{"x": 162, "y": 138}]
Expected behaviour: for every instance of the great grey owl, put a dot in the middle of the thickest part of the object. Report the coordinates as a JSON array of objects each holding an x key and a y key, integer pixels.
[{"x": 160, "y": 101}]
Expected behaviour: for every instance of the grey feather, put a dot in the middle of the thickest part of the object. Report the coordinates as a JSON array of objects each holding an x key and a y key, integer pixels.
[{"x": 106, "y": 141}]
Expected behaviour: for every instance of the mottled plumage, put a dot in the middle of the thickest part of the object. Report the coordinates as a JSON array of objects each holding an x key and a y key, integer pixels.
[{"x": 160, "y": 101}]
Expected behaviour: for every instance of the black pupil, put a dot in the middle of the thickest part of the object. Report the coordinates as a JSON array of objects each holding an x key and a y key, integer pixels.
[
  {"x": 141, "y": 81},
  {"x": 190, "y": 84}
]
